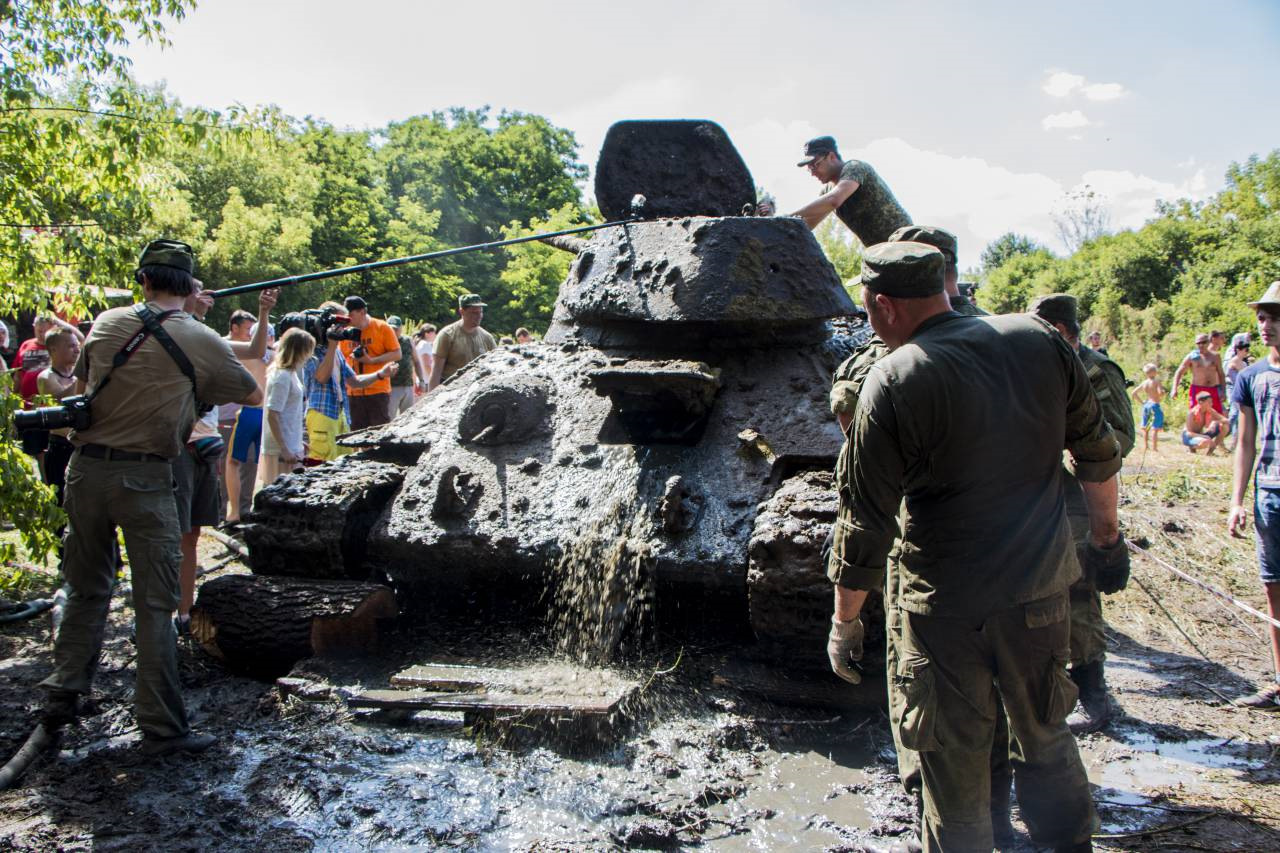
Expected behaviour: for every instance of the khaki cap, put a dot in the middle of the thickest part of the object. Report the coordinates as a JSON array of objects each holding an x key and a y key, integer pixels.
[
  {"x": 939, "y": 238},
  {"x": 905, "y": 270}
]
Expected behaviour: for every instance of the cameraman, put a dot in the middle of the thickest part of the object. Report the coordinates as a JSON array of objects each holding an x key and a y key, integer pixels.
[
  {"x": 370, "y": 404},
  {"x": 325, "y": 380},
  {"x": 121, "y": 474}
]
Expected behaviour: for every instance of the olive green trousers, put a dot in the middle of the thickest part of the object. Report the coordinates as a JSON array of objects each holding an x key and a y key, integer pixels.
[
  {"x": 137, "y": 497},
  {"x": 951, "y": 676}
]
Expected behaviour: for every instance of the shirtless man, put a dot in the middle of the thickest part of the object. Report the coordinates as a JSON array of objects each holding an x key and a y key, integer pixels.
[
  {"x": 246, "y": 435},
  {"x": 1206, "y": 428},
  {"x": 1206, "y": 374},
  {"x": 1152, "y": 415}
]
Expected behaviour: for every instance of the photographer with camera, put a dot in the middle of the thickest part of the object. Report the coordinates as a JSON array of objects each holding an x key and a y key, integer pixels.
[
  {"x": 148, "y": 369},
  {"x": 378, "y": 345},
  {"x": 327, "y": 377}
]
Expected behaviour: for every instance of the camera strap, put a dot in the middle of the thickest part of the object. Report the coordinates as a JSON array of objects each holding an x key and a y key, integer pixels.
[
  {"x": 151, "y": 323},
  {"x": 150, "y": 326}
]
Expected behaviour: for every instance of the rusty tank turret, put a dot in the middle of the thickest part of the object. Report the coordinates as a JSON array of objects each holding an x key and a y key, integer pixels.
[{"x": 676, "y": 412}]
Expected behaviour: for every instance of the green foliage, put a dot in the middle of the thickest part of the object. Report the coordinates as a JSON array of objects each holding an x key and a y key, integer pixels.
[
  {"x": 1190, "y": 269},
  {"x": 75, "y": 138},
  {"x": 841, "y": 249},
  {"x": 28, "y": 503},
  {"x": 1005, "y": 247},
  {"x": 535, "y": 270}
]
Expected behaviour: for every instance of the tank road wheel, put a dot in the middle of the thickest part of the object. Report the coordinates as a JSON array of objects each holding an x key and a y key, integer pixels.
[{"x": 787, "y": 586}]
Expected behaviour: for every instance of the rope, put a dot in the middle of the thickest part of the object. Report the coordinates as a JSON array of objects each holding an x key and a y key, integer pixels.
[{"x": 1214, "y": 591}]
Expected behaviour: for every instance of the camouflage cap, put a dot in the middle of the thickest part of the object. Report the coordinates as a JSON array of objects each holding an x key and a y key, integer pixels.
[
  {"x": 471, "y": 300},
  {"x": 1056, "y": 308},
  {"x": 939, "y": 238},
  {"x": 817, "y": 147},
  {"x": 168, "y": 253},
  {"x": 905, "y": 270},
  {"x": 1270, "y": 298}
]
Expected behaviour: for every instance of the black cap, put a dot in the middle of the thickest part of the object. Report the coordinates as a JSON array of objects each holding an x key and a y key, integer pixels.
[
  {"x": 354, "y": 303},
  {"x": 817, "y": 147}
]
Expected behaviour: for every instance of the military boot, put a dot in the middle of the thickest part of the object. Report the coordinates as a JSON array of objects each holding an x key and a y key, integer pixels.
[
  {"x": 1093, "y": 710},
  {"x": 61, "y": 708}
]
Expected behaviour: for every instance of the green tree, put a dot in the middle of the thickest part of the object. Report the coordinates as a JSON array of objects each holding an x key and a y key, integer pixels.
[
  {"x": 841, "y": 249},
  {"x": 1006, "y": 246},
  {"x": 1012, "y": 284},
  {"x": 535, "y": 271},
  {"x": 74, "y": 137}
]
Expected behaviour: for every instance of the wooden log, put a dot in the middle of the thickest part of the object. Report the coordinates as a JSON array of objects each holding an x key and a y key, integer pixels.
[{"x": 267, "y": 624}]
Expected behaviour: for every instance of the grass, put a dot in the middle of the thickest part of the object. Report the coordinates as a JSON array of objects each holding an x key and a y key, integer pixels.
[{"x": 23, "y": 580}]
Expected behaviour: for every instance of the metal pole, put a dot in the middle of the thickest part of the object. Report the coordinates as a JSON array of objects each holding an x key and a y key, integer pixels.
[{"x": 394, "y": 262}]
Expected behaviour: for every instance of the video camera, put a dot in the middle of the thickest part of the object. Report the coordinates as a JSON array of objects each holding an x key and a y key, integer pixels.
[
  {"x": 71, "y": 412},
  {"x": 317, "y": 322}
]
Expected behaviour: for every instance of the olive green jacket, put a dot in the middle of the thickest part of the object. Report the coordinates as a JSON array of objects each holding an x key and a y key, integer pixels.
[{"x": 967, "y": 422}]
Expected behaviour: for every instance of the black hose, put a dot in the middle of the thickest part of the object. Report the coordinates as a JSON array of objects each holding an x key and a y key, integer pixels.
[
  {"x": 31, "y": 608},
  {"x": 40, "y": 739}
]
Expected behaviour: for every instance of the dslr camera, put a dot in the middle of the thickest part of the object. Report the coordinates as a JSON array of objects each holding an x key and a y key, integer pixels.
[
  {"x": 317, "y": 322},
  {"x": 71, "y": 412}
]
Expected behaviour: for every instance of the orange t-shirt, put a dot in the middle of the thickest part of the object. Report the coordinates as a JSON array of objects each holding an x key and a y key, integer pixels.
[{"x": 377, "y": 338}]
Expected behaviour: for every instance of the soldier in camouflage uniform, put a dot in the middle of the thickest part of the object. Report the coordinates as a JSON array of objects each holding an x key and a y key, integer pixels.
[
  {"x": 1088, "y": 641},
  {"x": 985, "y": 556},
  {"x": 854, "y": 191}
]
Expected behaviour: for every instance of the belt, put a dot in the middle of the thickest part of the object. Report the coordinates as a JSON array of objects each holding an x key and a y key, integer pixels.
[{"x": 101, "y": 451}]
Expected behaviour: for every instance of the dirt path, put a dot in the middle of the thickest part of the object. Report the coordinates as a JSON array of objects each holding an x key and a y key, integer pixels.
[{"x": 700, "y": 767}]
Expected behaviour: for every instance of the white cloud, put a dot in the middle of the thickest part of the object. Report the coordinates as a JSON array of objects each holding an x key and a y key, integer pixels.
[
  {"x": 1059, "y": 84},
  {"x": 1065, "y": 120},
  {"x": 1132, "y": 197},
  {"x": 1104, "y": 91}
]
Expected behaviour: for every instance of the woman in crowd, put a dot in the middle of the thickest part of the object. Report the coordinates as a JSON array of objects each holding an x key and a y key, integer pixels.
[
  {"x": 424, "y": 343},
  {"x": 285, "y": 407}
]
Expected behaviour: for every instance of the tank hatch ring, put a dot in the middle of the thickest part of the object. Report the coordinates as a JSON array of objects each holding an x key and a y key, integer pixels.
[{"x": 512, "y": 410}]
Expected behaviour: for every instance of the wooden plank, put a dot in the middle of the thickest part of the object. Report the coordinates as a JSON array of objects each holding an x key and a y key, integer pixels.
[
  {"x": 487, "y": 702},
  {"x": 455, "y": 677}
]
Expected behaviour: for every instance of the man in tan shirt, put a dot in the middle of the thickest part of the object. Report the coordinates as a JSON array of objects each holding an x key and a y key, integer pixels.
[{"x": 462, "y": 341}]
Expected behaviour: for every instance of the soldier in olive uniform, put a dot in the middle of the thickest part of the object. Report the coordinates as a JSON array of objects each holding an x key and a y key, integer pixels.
[
  {"x": 1088, "y": 641},
  {"x": 985, "y": 556},
  {"x": 945, "y": 242},
  {"x": 846, "y": 386}
]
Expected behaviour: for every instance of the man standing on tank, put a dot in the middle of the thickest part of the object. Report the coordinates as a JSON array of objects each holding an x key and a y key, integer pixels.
[
  {"x": 985, "y": 556},
  {"x": 1088, "y": 637},
  {"x": 856, "y": 194}
]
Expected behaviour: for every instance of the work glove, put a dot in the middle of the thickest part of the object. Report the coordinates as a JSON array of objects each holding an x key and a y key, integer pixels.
[
  {"x": 1109, "y": 566},
  {"x": 844, "y": 645}
]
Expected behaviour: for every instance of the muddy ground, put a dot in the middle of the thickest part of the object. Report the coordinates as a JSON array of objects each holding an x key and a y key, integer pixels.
[{"x": 700, "y": 765}]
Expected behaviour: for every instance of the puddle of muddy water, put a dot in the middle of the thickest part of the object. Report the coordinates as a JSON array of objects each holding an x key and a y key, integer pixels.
[{"x": 360, "y": 786}]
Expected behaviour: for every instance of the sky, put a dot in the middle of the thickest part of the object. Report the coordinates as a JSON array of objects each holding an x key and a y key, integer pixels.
[{"x": 982, "y": 116}]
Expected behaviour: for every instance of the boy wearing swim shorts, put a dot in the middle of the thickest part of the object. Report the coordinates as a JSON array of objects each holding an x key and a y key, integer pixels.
[{"x": 1152, "y": 415}]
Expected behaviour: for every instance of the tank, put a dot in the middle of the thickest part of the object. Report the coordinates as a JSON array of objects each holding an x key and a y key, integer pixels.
[{"x": 669, "y": 441}]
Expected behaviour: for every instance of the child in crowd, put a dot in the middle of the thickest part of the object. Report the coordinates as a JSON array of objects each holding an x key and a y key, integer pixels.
[
  {"x": 1152, "y": 415},
  {"x": 285, "y": 407}
]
